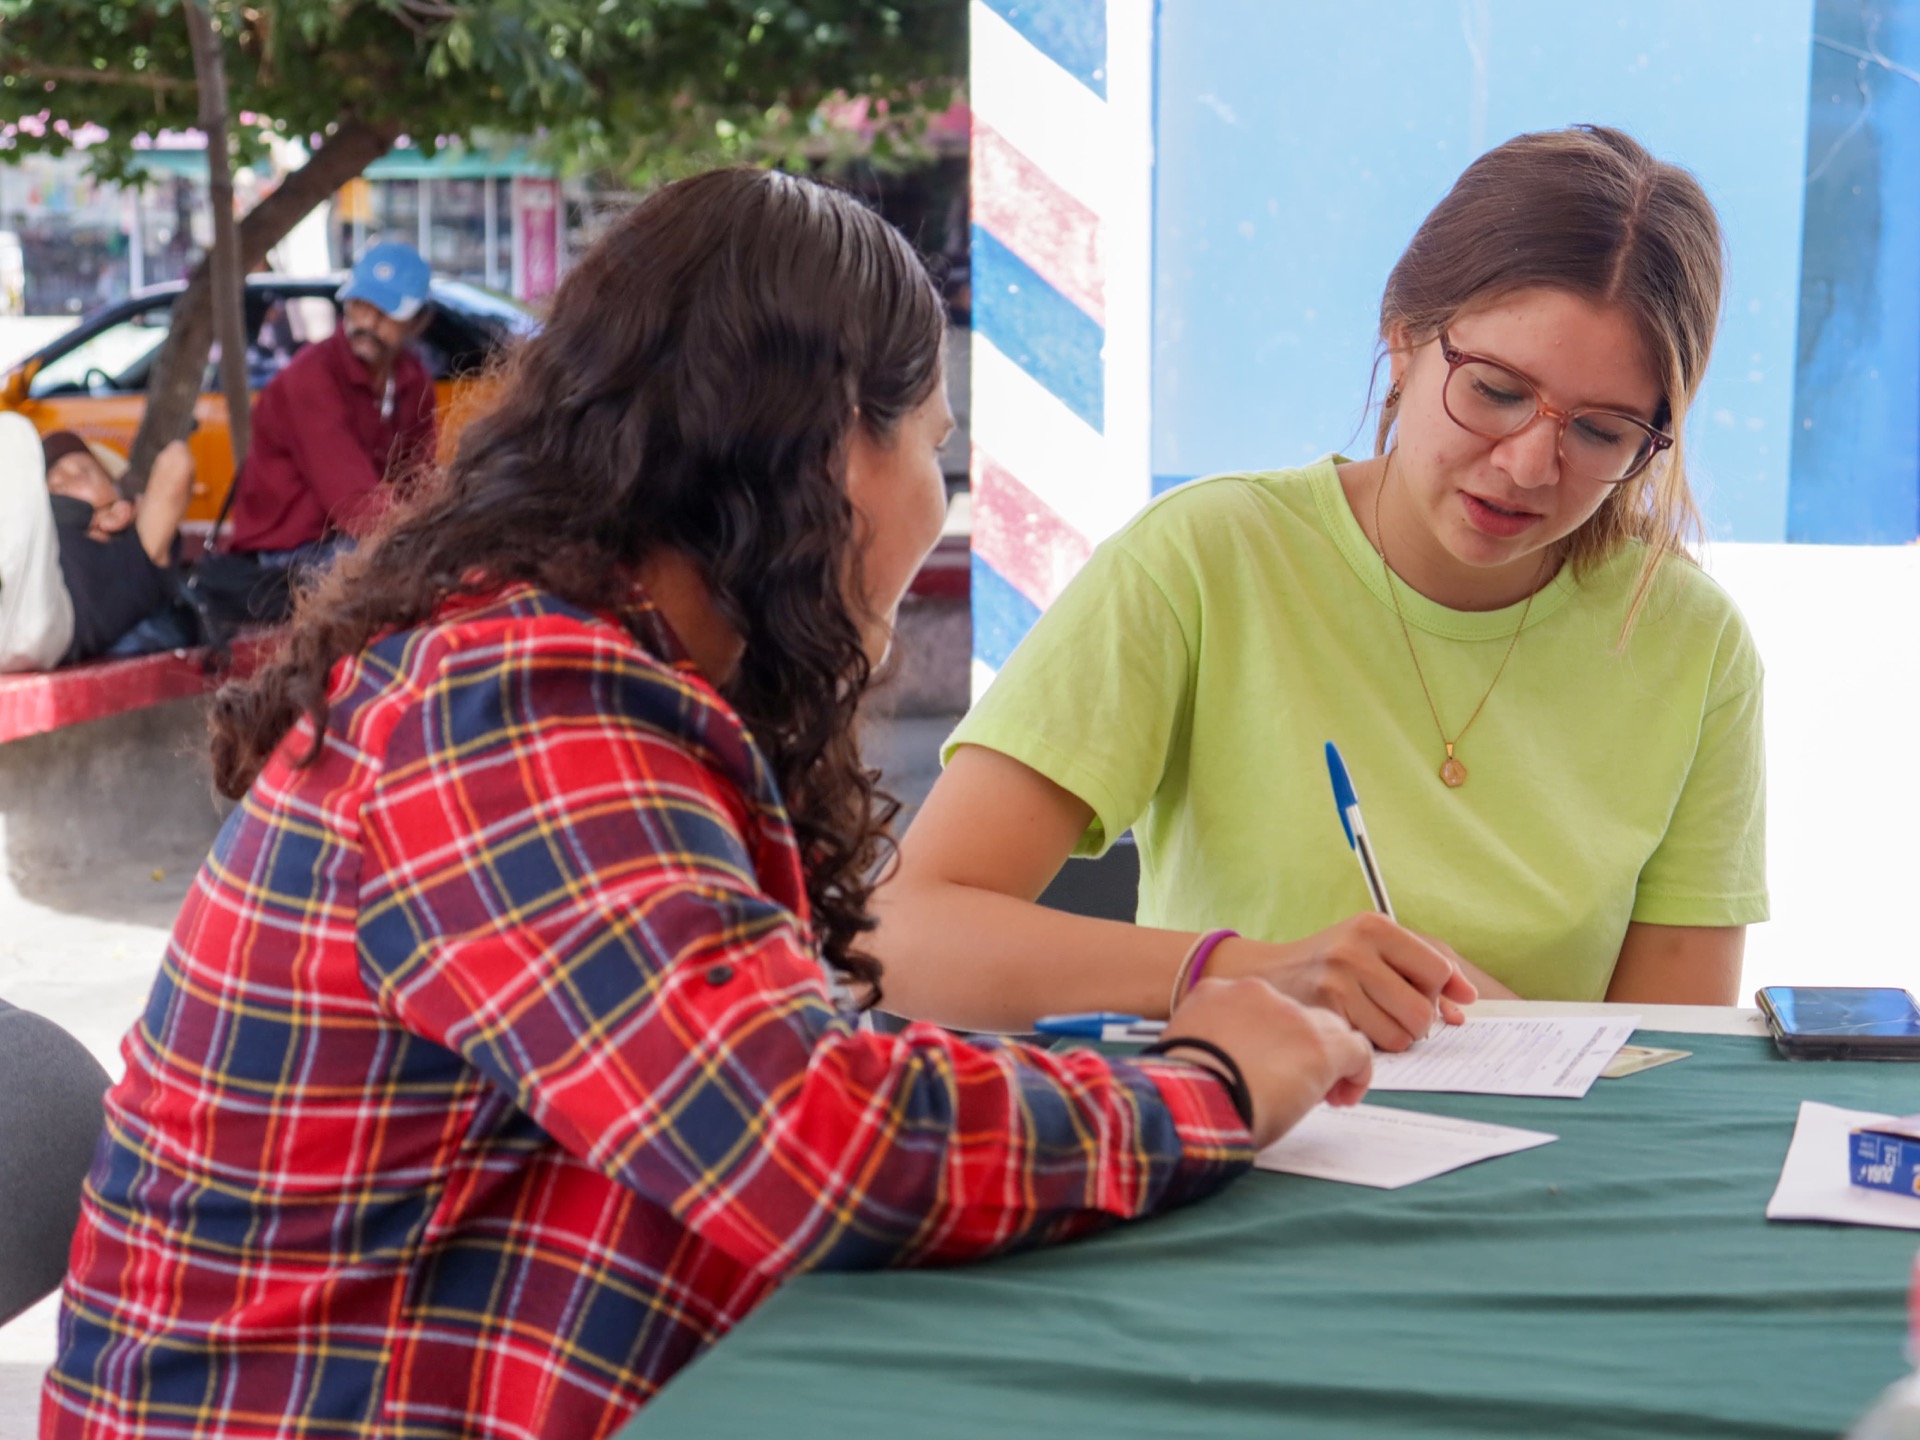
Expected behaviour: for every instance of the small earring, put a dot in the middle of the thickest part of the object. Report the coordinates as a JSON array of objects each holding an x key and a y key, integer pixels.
[{"x": 1393, "y": 395}]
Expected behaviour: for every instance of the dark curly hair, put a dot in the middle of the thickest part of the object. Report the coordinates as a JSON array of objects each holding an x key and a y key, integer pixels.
[{"x": 693, "y": 389}]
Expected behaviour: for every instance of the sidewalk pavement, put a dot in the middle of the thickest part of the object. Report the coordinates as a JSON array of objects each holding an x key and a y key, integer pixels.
[{"x": 83, "y": 949}]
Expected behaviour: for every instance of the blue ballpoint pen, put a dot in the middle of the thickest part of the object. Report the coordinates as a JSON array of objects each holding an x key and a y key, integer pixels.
[
  {"x": 1349, "y": 806},
  {"x": 1100, "y": 1025}
]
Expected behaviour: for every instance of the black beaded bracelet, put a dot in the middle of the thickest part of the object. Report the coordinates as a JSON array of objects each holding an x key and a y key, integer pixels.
[{"x": 1235, "y": 1078}]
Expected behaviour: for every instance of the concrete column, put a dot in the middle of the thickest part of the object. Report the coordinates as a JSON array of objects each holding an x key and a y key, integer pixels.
[
  {"x": 491, "y": 210},
  {"x": 137, "y": 239}
]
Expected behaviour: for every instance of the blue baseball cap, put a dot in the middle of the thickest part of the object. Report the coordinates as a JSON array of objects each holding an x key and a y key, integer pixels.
[{"x": 392, "y": 278}]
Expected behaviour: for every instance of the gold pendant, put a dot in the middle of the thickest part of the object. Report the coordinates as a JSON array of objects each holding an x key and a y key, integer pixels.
[{"x": 1453, "y": 772}]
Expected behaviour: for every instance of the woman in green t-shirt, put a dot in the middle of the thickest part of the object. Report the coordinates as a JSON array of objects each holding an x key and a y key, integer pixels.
[{"x": 1552, "y": 714}]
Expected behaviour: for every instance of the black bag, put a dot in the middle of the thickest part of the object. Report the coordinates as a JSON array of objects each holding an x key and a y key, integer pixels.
[
  {"x": 229, "y": 591},
  {"x": 235, "y": 590}
]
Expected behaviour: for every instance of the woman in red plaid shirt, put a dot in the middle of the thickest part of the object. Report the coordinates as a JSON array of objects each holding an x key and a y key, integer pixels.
[{"x": 499, "y": 1061}]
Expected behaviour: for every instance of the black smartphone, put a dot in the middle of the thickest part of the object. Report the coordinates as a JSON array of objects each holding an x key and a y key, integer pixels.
[{"x": 1818, "y": 1022}]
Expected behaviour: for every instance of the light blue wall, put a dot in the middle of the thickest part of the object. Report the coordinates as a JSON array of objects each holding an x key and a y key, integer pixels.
[
  {"x": 1856, "y": 458},
  {"x": 1300, "y": 144}
]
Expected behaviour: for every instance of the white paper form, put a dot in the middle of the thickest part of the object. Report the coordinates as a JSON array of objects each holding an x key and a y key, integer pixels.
[
  {"x": 1813, "y": 1182},
  {"x": 1558, "y": 1057},
  {"x": 1386, "y": 1148}
]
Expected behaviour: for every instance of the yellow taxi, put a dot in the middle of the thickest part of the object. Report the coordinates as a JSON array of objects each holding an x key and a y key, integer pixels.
[{"x": 93, "y": 379}]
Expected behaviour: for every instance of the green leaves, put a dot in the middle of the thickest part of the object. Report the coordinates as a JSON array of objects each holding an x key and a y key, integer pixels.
[{"x": 644, "y": 88}]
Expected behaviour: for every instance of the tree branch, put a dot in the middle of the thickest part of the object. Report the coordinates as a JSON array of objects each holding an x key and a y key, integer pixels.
[
  {"x": 423, "y": 16},
  {"x": 83, "y": 75},
  {"x": 229, "y": 283},
  {"x": 432, "y": 9},
  {"x": 354, "y": 145}
]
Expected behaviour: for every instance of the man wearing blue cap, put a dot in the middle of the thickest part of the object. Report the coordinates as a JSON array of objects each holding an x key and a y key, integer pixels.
[{"x": 347, "y": 419}]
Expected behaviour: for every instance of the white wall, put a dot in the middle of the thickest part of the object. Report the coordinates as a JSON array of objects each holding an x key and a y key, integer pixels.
[{"x": 1836, "y": 626}]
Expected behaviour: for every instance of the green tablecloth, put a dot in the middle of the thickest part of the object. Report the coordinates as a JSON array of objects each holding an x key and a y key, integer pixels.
[{"x": 1621, "y": 1282}]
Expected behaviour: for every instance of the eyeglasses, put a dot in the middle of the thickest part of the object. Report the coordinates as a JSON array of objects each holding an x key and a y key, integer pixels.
[{"x": 1487, "y": 399}]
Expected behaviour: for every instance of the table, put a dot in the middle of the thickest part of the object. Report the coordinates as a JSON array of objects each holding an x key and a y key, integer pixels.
[{"x": 1621, "y": 1282}]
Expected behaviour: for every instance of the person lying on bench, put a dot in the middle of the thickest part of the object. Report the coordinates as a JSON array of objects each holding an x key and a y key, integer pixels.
[
  {"x": 116, "y": 554},
  {"x": 84, "y": 571}
]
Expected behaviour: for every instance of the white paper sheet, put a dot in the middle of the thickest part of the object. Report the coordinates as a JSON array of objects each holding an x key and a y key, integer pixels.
[
  {"x": 1813, "y": 1182},
  {"x": 1559, "y": 1058},
  {"x": 1385, "y": 1147}
]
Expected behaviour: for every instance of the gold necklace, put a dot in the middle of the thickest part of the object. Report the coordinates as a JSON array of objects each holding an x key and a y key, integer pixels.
[{"x": 1452, "y": 771}]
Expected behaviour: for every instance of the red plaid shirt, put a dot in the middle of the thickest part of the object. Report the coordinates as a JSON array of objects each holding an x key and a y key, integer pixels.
[{"x": 491, "y": 1073}]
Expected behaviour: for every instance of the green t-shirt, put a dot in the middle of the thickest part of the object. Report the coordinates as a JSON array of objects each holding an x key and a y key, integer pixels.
[{"x": 1186, "y": 682}]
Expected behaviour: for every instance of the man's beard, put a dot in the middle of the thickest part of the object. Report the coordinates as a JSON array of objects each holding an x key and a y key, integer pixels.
[{"x": 380, "y": 350}]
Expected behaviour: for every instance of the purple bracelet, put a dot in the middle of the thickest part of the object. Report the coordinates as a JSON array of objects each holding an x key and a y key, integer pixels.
[{"x": 1203, "y": 951}]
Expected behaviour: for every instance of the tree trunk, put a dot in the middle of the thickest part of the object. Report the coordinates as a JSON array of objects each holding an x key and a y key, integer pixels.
[
  {"x": 182, "y": 362},
  {"x": 229, "y": 281}
]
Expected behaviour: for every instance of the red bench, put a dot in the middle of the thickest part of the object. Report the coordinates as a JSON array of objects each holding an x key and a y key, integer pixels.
[
  {"x": 33, "y": 704},
  {"x": 947, "y": 575}
]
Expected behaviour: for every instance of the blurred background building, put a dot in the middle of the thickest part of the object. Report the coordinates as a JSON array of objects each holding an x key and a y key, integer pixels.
[{"x": 497, "y": 217}]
